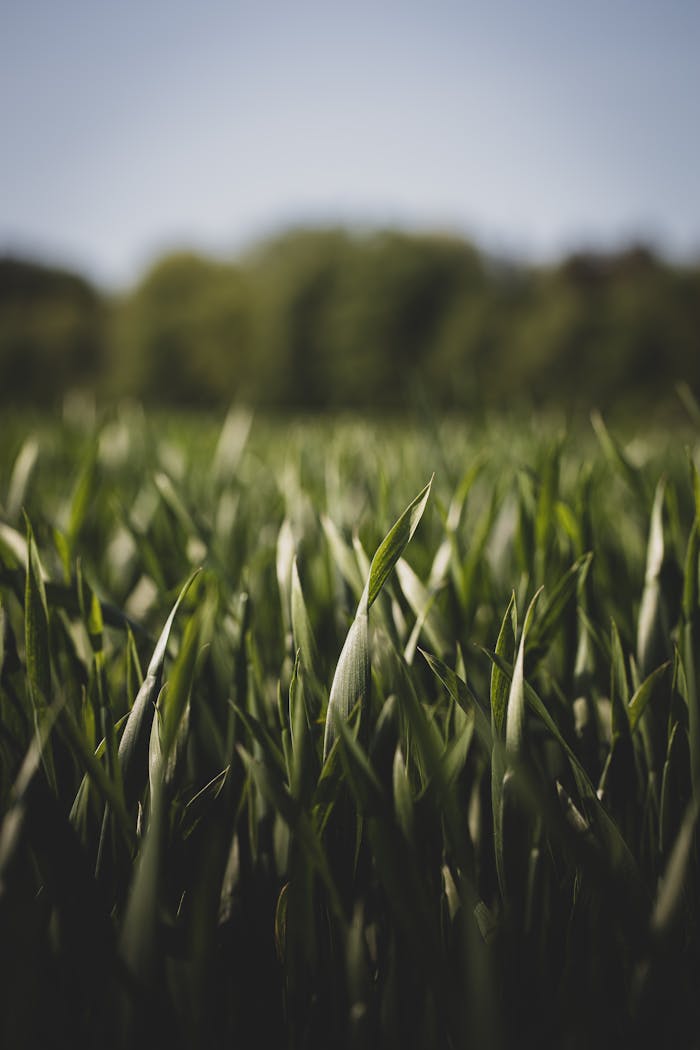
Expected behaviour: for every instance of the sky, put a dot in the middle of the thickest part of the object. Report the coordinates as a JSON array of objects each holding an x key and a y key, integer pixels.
[{"x": 131, "y": 127}]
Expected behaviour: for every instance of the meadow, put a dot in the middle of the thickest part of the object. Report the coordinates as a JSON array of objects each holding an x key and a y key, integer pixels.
[{"x": 339, "y": 732}]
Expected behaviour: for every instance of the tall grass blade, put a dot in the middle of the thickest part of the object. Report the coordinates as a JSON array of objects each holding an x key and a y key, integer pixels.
[
  {"x": 133, "y": 747},
  {"x": 36, "y": 628},
  {"x": 352, "y": 675},
  {"x": 394, "y": 543}
]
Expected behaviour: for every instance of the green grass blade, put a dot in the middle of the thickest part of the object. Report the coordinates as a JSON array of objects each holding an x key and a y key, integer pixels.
[
  {"x": 36, "y": 628},
  {"x": 134, "y": 744},
  {"x": 500, "y": 684},
  {"x": 351, "y": 679},
  {"x": 21, "y": 476},
  {"x": 302, "y": 631},
  {"x": 394, "y": 543}
]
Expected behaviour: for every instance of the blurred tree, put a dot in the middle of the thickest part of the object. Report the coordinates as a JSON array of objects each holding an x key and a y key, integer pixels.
[
  {"x": 51, "y": 333},
  {"x": 182, "y": 336},
  {"x": 293, "y": 281},
  {"x": 319, "y": 319}
]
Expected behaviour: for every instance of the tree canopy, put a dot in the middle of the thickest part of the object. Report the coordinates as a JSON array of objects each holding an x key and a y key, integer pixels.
[{"x": 330, "y": 318}]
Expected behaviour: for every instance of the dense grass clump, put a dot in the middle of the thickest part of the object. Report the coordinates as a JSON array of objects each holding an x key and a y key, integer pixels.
[{"x": 302, "y": 746}]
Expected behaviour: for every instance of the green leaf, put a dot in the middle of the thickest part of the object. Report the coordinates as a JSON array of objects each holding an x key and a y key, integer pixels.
[
  {"x": 548, "y": 623},
  {"x": 669, "y": 901},
  {"x": 139, "y": 938},
  {"x": 351, "y": 679},
  {"x": 619, "y": 688},
  {"x": 651, "y": 628},
  {"x": 515, "y": 711},
  {"x": 462, "y": 694},
  {"x": 21, "y": 476},
  {"x": 617, "y": 458},
  {"x": 180, "y": 685},
  {"x": 352, "y": 674},
  {"x": 643, "y": 695},
  {"x": 12, "y": 826},
  {"x": 304, "y": 762},
  {"x": 272, "y": 789},
  {"x": 343, "y": 556},
  {"x": 500, "y": 689},
  {"x": 134, "y": 744},
  {"x": 620, "y": 855},
  {"x": 500, "y": 684},
  {"x": 690, "y": 575},
  {"x": 422, "y": 601},
  {"x": 89, "y": 761},
  {"x": 394, "y": 544},
  {"x": 81, "y": 499},
  {"x": 90, "y": 609},
  {"x": 36, "y": 628},
  {"x": 283, "y": 563},
  {"x": 403, "y": 800},
  {"x": 302, "y": 631}
]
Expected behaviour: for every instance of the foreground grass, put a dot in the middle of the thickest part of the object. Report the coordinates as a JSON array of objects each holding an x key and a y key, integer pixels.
[{"x": 299, "y": 748}]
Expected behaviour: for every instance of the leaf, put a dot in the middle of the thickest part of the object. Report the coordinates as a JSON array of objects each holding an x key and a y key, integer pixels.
[
  {"x": 81, "y": 499},
  {"x": 643, "y": 695},
  {"x": 134, "y": 744},
  {"x": 89, "y": 761},
  {"x": 675, "y": 787},
  {"x": 304, "y": 761},
  {"x": 403, "y": 801},
  {"x": 619, "y": 688},
  {"x": 180, "y": 685},
  {"x": 500, "y": 684},
  {"x": 12, "y": 826},
  {"x": 621, "y": 858},
  {"x": 669, "y": 900},
  {"x": 651, "y": 636},
  {"x": 139, "y": 938},
  {"x": 691, "y": 634},
  {"x": 616, "y": 456},
  {"x": 500, "y": 689},
  {"x": 343, "y": 556},
  {"x": 36, "y": 628},
  {"x": 90, "y": 610},
  {"x": 276, "y": 795},
  {"x": 394, "y": 544},
  {"x": 302, "y": 631},
  {"x": 351, "y": 679},
  {"x": 359, "y": 773},
  {"x": 544, "y": 629},
  {"x": 463, "y": 695},
  {"x": 283, "y": 564},
  {"x": 515, "y": 712},
  {"x": 231, "y": 444},
  {"x": 13, "y": 542},
  {"x": 140, "y": 932},
  {"x": 422, "y": 600},
  {"x": 690, "y": 576},
  {"x": 21, "y": 476},
  {"x": 689, "y": 401},
  {"x": 352, "y": 674},
  {"x": 197, "y": 805}
]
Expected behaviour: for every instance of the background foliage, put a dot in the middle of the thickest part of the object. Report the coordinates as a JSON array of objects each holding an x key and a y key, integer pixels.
[{"x": 319, "y": 319}]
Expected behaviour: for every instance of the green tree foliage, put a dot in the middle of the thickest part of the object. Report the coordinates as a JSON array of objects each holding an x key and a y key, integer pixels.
[
  {"x": 332, "y": 319},
  {"x": 182, "y": 335},
  {"x": 51, "y": 333}
]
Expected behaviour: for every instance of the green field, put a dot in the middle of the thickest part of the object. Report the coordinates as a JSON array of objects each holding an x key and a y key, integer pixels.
[{"x": 325, "y": 733}]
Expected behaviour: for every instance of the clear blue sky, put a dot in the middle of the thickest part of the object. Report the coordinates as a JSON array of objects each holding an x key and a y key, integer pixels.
[{"x": 128, "y": 127}]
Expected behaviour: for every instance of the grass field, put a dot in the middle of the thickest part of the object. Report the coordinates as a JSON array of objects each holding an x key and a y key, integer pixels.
[{"x": 338, "y": 733}]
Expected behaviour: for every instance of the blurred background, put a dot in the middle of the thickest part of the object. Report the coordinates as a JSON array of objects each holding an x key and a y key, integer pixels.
[{"x": 374, "y": 207}]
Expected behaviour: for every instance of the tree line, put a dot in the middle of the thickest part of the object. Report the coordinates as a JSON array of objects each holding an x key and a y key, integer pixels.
[{"x": 381, "y": 321}]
